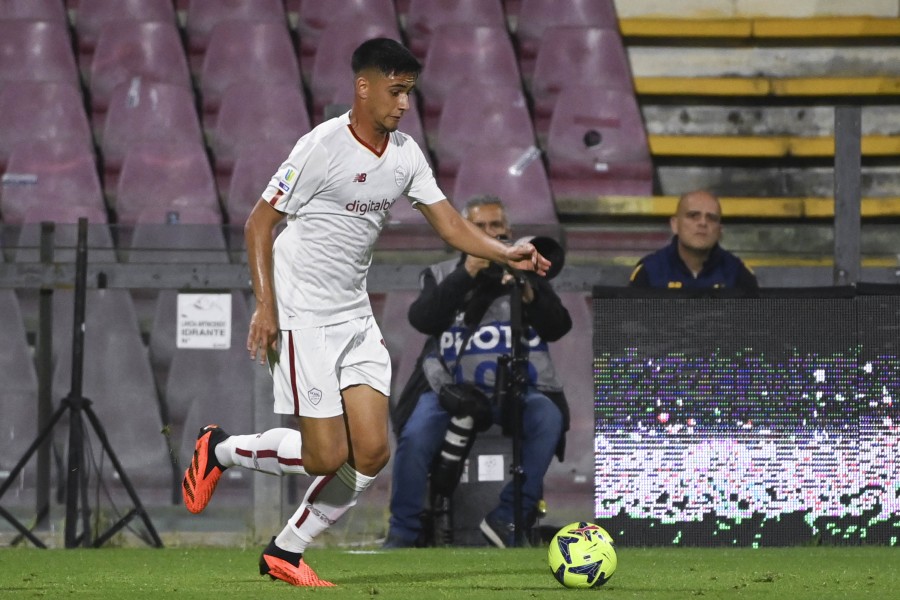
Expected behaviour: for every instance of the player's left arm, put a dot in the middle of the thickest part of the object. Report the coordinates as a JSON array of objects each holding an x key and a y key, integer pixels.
[{"x": 465, "y": 236}]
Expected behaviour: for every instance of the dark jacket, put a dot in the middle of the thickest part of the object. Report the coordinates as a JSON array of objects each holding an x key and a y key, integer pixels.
[
  {"x": 665, "y": 269},
  {"x": 448, "y": 290}
]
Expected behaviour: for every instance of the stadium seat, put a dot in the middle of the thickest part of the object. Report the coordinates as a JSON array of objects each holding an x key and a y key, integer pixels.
[
  {"x": 246, "y": 51},
  {"x": 36, "y": 110},
  {"x": 223, "y": 395},
  {"x": 93, "y": 15},
  {"x": 132, "y": 49},
  {"x": 597, "y": 144},
  {"x": 276, "y": 115},
  {"x": 316, "y": 16},
  {"x": 100, "y": 247},
  {"x": 498, "y": 113},
  {"x": 178, "y": 235},
  {"x": 18, "y": 400},
  {"x": 36, "y": 51},
  {"x": 423, "y": 17},
  {"x": 168, "y": 176},
  {"x": 576, "y": 55},
  {"x": 147, "y": 111},
  {"x": 33, "y": 10},
  {"x": 118, "y": 381},
  {"x": 254, "y": 166},
  {"x": 535, "y": 16},
  {"x": 204, "y": 15},
  {"x": 331, "y": 76},
  {"x": 49, "y": 174},
  {"x": 403, "y": 342},
  {"x": 463, "y": 53},
  {"x": 515, "y": 175}
]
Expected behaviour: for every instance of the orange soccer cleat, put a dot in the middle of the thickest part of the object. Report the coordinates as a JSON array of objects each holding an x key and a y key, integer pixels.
[
  {"x": 289, "y": 567},
  {"x": 203, "y": 474}
]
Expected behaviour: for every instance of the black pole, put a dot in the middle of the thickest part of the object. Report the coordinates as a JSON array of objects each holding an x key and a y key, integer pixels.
[
  {"x": 76, "y": 402},
  {"x": 517, "y": 382},
  {"x": 44, "y": 367}
]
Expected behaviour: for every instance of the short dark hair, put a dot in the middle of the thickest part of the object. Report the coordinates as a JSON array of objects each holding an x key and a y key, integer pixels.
[{"x": 387, "y": 55}]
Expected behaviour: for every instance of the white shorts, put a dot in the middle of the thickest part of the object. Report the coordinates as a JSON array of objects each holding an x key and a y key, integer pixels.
[{"x": 316, "y": 363}]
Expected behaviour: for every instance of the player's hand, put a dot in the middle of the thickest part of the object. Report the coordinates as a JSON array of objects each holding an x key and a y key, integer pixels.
[
  {"x": 263, "y": 334},
  {"x": 525, "y": 257}
]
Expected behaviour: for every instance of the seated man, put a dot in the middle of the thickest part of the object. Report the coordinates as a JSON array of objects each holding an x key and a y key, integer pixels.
[
  {"x": 461, "y": 301},
  {"x": 694, "y": 258}
]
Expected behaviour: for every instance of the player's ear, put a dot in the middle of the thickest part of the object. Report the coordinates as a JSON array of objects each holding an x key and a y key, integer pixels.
[
  {"x": 362, "y": 87},
  {"x": 673, "y": 223}
]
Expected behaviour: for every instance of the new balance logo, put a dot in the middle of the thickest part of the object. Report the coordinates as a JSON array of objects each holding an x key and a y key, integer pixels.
[{"x": 359, "y": 178}]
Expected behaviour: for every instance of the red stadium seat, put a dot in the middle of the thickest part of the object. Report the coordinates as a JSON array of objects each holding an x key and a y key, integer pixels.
[
  {"x": 462, "y": 53},
  {"x": 515, "y": 175},
  {"x": 316, "y": 16},
  {"x": 258, "y": 51},
  {"x": 167, "y": 177},
  {"x": 597, "y": 144},
  {"x": 204, "y": 15},
  {"x": 33, "y": 10},
  {"x": 36, "y": 110},
  {"x": 254, "y": 166},
  {"x": 424, "y": 17},
  {"x": 498, "y": 113},
  {"x": 276, "y": 115},
  {"x": 572, "y": 56},
  {"x": 93, "y": 15},
  {"x": 36, "y": 51},
  {"x": 128, "y": 50},
  {"x": 147, "y": 111},
  {"x": 65, "y": 237},
  {"x": 49, "y": 174},
  {"x": 535, "y": 16}
]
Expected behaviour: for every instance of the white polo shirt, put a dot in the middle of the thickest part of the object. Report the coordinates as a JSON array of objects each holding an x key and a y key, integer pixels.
[{"x": 336, "y": 191}]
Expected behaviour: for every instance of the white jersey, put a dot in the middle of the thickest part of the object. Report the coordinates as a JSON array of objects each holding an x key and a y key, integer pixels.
[{"x": 336, "y": 191}]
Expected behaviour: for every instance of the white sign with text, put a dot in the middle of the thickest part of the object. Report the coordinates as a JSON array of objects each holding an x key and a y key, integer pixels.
[{"x": 204, "y": 321}]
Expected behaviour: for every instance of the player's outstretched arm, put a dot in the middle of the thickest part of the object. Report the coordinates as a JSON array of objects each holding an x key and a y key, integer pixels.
[
  {"x": 465, "y": 236},
  {"x": 258, "y": 236}
]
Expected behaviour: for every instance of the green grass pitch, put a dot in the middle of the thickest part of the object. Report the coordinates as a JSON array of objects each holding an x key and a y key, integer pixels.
[{"x": 458, "y": 573}]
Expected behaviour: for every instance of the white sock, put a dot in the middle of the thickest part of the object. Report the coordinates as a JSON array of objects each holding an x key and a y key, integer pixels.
[
  {"x": 276, "y": 451},
  {"x": 326, "y": 501}
]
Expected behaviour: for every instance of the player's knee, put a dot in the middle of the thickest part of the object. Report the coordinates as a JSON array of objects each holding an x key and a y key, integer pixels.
[
  {"x": 372, "y": 461},
  {"x": 319, "y": 462}
]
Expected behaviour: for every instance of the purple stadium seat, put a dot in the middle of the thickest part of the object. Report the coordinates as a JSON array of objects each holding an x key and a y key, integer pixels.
[
  {"x": 33, "y": 10},
  {"x": 147, "y": 111},
  {"x": 165, "y": 176},
  {"x": 515, "y": 175},
  {"x": 118, "y": 380},
  {"x": 275, "y": 114},
  {"x": 65, "y": 235},
  {"x": 253, "y": 168},
  {"x": 93, "y": 15},
  {"x": 36, "y": 110},
  {"x": 36, "y": 51},
  {"x": 576, "y": 55},
  {"x": 535, "y": 16},
  {"x": 181, "y": 235},
  {"x": 246, "y": 51},
  {"x": 498, "y": 113},
  {"x": 204, "y": 15},
  {"x": 460, "y": 53},
  {"x": 49, "y": 174},
  {"x": 316, "y": 16},
  {"x": 132, "y": 49},
  {"x": 331, "y": 76},
  {"x": 424, "y": 17},
  {"x": 18, "y": 400},
  {"x": 403, "y": 342},
  {"x": 597, "y": 144}
]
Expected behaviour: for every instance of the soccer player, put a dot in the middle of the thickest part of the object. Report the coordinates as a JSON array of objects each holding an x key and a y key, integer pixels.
[{"x": 313, "y": 318}]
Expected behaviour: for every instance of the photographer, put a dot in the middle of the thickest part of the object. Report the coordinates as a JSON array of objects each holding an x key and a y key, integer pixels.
[{"x": 464, "y": 305}]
